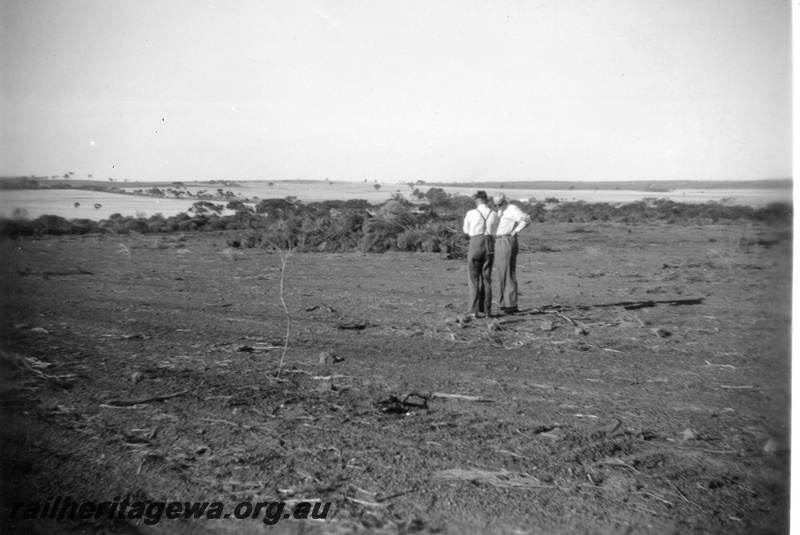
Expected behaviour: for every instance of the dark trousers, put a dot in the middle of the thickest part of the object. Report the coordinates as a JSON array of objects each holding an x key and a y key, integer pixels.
[
  {"x": 505, "y": 260},
  {"x": 479, "y": 263}
]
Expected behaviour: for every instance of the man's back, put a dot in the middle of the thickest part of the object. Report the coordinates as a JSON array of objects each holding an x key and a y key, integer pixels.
[
  {"x": 509, "y": 217},
  {"x": 481, "y": 221}
]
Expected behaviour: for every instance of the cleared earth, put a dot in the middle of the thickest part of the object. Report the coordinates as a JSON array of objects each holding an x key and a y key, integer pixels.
[{"x": 644, "y": 388}]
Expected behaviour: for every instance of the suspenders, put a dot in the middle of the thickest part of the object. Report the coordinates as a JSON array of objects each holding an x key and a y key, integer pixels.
[
  {"x": 485, "y": 222},
  {"x": 490, "y": 242}
]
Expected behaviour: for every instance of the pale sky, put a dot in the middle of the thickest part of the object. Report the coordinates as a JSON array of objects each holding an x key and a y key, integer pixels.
[{"x": 396, "y": 90}]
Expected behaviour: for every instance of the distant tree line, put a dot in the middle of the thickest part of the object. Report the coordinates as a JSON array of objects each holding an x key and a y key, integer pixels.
[
  {"x": 396, "y": 225},
  {"x": 22, "y": 182}
]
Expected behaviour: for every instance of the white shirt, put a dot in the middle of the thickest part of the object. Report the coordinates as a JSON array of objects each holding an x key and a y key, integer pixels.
[
  {"x": 509, "y": 219},
  {"x": 480, "y": 221}
]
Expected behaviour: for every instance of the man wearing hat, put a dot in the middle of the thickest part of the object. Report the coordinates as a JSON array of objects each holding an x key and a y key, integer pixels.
[
  {"x": 512, "y": 221},
  {"x": 480, "y": 224}
]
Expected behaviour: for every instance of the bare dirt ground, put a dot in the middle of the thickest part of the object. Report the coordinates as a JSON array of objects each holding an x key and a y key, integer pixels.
[{"x": 644, "y": 388}]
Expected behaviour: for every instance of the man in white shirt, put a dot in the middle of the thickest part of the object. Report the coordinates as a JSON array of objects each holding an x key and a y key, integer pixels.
[
  {"x": 480, "y": 225},
  {"x": 512, "y": 221}
]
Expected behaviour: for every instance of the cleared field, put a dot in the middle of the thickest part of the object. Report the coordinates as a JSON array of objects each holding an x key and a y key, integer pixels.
[{"x": 644, "y": 387}]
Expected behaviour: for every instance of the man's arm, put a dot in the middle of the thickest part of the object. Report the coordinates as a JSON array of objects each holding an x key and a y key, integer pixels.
[
  {"x": 466, "y": 222},
  {"x": 522, "y": 220}
]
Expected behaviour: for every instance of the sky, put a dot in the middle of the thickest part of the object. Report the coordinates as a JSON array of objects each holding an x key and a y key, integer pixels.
[{"x": 396, "y": 91}]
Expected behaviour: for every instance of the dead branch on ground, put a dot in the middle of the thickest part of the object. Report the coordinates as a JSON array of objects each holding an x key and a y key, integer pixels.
[
  {"x": 426, "y": 397},
  {"x": 285, "y": 255},
  {"x": 142, "y": 401},
  {"x": 566, "y": 318},
  {"x": 460, "y": 396},
  {"x": 628, "y": 305},
  {"x": 396, "y": 495},
  {"x": 364, "y": 502}
]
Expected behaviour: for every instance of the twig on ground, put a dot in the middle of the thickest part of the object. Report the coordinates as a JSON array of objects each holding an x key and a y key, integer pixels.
[
  {"x": 365, "y": 503},
  {"x": 142, "y": 401},
  {"x": 721, "y": 365},
  {"x": 514, "y": 454},
  {"x": 453, "y": 336},
  {"x": 234, "y": 424},
  {"x": 426, "y": 397},
  {"x": 741, "y": 387},
  {"x": 591, "y": 486},
  {"x": 509, "y": 320},
  {"x": 617, "y": 462},
  {"x": 680, "y": 492},
  {"x": 705, "y": 450},
  {"x": 46, "y": 274},
  {"x": 217, "y": 421},
  {"x": 659, "y": 498},
  {"x": 284, "y": 258},
  {"x": 33, "y": 365},
  {"x": 460, "y": 396},
  {"x": 566, "y": 318},
  {"x": 359, "y": 489}
]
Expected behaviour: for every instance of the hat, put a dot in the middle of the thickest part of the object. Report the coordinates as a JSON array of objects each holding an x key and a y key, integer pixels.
[{"x": 481, "y": 195}]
